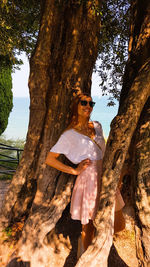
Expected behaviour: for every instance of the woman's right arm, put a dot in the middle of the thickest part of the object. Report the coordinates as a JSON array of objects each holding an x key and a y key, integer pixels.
[{"x": 53, "y": 161}]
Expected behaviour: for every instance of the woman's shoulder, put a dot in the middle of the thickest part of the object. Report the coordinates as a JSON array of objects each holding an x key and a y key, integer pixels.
[{"x": 67, "y": 132}]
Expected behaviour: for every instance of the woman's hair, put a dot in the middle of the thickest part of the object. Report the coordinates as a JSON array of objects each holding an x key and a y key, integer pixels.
[{"x": 73, "y": 119}]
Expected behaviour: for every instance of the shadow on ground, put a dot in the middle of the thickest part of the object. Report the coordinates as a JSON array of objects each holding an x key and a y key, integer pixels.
[
  {"x": 16, "y": 263},
  {"x": 68, "y": 227},
  {"x": 72, "y": 228}
]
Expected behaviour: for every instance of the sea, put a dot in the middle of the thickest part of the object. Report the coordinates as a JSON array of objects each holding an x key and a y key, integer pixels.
[{"x": 19, "y": 117}]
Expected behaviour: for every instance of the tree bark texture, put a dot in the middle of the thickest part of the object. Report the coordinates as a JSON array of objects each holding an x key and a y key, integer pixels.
[
  {"x": 63, "y": 60},
  {"x": 139, "y": 52},
  {"x": 141, "y": 160},
  {"x": 134, "y": 95}
]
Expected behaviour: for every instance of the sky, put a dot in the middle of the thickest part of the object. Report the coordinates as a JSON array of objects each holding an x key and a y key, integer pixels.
[{"x": 20, "y": 81}]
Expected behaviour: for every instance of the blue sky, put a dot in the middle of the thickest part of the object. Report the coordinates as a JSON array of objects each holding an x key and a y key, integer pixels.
[{"x": 20, "y": 79}]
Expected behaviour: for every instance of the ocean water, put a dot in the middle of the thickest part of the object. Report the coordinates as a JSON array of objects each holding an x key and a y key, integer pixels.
[{"x": 19, "y": 117}]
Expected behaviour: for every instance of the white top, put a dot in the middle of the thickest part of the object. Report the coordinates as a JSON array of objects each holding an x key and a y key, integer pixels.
[{"x": 77, "y": 147}]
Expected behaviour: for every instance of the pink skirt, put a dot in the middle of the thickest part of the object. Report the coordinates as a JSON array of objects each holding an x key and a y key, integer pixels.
[{"x": 85, "y": 196}]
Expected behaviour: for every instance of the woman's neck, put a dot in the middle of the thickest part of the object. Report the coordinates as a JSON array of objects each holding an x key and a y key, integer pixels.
[
  {"x": 83, "y": 122},
  {"x": 86, "y": 129}
]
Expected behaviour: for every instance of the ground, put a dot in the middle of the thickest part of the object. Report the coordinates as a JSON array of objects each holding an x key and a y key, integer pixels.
[{"x": 123, "y": 253}]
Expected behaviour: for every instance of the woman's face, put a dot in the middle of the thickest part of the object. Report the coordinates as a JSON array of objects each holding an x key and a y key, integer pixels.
[{"x": 84, "y": 108}]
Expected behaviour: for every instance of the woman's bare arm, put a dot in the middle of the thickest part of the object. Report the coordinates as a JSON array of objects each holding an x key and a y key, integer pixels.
[{"x": 53, "y": 161}]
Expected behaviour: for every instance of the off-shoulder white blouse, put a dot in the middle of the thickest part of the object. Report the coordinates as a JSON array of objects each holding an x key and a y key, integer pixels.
[{"x": 77, "y": 147}]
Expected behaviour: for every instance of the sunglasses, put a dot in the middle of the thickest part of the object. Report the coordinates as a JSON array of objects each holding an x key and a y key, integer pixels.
[{"x": 85, "y": 102}]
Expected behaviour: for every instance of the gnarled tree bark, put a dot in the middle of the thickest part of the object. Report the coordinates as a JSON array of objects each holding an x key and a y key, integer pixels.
[
  {"x": 141, "y": 159},
  {"x": 63, "y": 60}
]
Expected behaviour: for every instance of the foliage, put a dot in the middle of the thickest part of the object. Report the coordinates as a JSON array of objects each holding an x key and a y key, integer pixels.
[
  {"x": 19, "y": 23},
  {"x": 19, "y": 143},
  {"x": 13, "y": 232},
  {"x": 5, "y": 177},
  {"x": 6, "y": 97},
  {"x": 8, "y": 231},
  {"x": 113, "y": 46}
]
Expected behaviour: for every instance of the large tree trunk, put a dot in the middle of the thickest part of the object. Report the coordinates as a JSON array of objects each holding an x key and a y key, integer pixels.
[
  {"x": 134, "y": 95},
  {"x": 63, "y": 60},
  {"x": 141, "y": 167},
  {"x": 140, "y": 148}
]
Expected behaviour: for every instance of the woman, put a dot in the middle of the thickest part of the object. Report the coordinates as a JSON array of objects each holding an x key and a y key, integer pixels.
[{"x": 83, "y": 144}]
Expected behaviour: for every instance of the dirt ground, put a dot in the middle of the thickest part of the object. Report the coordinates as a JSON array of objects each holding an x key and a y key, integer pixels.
[{"x": 122, "y": 254}]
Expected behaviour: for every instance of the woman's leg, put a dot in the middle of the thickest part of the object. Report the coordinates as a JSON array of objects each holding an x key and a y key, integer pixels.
[
  {"x": 119, "y": 223},
  {"x": 88, "y": 231}
]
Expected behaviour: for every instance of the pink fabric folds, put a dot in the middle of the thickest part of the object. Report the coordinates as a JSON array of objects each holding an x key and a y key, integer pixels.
[{"x": 85, "y": 194}]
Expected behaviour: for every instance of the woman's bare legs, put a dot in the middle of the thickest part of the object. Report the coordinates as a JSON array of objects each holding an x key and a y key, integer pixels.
[
  {"x": 87, "y": 235},
  {"x": 119, "y": 223},
  {"x": 88, "y": 230}
]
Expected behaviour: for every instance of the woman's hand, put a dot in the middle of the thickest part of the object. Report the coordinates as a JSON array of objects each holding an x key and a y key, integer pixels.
[{"x": 82, "y": 166}]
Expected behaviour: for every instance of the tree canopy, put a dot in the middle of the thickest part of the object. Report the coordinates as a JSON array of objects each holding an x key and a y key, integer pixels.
[
  {"x": 20, "y": 24},
  {"x": 113, "y": 46}
]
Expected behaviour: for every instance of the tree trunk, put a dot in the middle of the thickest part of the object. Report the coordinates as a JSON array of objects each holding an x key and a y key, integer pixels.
[
  {"x": 134, "y": 95},
  {"x": 139, "y": 52},
  {"x": 63, "y": 60},
  {"x": 141, "y": 159}
]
